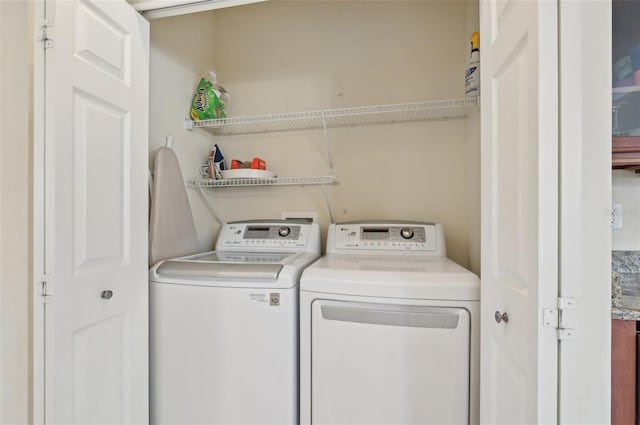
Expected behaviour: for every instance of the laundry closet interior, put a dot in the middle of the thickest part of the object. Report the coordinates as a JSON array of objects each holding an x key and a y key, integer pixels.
[{"x": 420, "y": 163}]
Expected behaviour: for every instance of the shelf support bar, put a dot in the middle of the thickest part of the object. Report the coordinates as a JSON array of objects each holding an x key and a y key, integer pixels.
[
  {"x": 209, "y": 206},
  {"x": 330, "y": 157},
  {"x": 326, "y": 142},
  {"x": 328, "y": 203}
]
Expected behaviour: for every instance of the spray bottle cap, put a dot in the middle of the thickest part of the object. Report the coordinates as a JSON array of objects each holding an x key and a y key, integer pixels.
[{"x": 475, "y": 41}]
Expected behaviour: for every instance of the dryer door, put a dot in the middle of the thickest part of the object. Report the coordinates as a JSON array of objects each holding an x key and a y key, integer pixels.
[{"x": 389, "y": 364}]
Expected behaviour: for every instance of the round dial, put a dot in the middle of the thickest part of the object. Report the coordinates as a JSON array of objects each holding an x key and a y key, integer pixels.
[
  {"x": 284, "y": 231},
  {"x": 406, "y": 233}
]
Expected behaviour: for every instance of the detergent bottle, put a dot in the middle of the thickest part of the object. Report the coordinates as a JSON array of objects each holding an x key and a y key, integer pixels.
[{"x": 472, "y": 76}]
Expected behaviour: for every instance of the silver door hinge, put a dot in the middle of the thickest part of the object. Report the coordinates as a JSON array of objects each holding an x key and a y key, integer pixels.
[
  {"x": 562, "y": 318},
  {"x": 43, "y": 35},
  {"x": 45, "y": 292}
]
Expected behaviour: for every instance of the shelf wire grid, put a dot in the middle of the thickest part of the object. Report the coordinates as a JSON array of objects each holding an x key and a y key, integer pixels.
[
  {"x": 276, "y": 181},
  {"x": 343, "y": 117}
]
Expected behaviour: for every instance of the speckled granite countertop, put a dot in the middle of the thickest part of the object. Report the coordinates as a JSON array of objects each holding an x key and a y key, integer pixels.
[{"x": 625, "y": 285}]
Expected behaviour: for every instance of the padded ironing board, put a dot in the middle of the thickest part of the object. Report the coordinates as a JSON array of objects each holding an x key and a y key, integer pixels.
[{"x": 172, "y": 232}]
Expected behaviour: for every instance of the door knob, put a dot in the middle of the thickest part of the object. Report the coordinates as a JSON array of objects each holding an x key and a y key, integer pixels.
[
  {"x": 106, "y": 295},
  {"x": 501, "y": 317}
]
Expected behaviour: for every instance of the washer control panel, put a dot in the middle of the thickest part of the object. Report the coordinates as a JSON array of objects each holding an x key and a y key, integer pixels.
[
  {"x": 385, "y": 237},
  {"x": 263, "y": 236}
]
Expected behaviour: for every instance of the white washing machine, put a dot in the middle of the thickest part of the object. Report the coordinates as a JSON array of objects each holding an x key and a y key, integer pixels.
[
  {"x": 224, "y": 327},
  {"x": 389, "y": 329}
]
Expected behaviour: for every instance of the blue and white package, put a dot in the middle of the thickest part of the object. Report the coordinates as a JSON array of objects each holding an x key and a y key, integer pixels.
[{"x": 214, "y": 166}]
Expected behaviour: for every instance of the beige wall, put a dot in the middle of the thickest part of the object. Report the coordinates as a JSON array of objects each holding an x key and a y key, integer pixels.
[
  {"x": 15, "y": 195},
  {"x": 286, "y": 56},
  {"x": 180, "y": 55}
]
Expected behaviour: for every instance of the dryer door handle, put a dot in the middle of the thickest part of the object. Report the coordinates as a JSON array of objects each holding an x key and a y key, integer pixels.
[{"x": 392, "y": 315}]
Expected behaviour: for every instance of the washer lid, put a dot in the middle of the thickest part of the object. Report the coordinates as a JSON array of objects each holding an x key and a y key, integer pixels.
[
  {"x": 234, "y": 270},
  {"x": 213, "y": 270},
  {"x": 224, "y": 265},
  {"x": 240, "y": 257},
  {"x": 436, "y": 278}
]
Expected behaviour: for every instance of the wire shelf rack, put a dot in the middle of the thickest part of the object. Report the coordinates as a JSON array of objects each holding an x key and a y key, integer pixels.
[
  {"x": 344, "y": 117},
  {"x": 276, "y": 181}
]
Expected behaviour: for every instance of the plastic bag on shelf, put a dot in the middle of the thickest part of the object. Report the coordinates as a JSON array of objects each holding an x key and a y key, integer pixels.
[{"x": 209, "y": 99}]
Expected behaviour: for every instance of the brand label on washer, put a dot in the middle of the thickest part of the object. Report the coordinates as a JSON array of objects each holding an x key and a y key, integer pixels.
[
  {"x": 274, "y": 299},
  {"x": 259, "y": 298}
]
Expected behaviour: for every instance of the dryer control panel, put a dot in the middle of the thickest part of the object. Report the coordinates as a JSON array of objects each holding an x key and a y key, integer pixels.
[
  {"x": 271, "y": 235},
  {"x": 386, "y": 237}
]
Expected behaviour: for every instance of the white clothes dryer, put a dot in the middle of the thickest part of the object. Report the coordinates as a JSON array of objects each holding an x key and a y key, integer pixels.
[
  {"x": 389, "y": 329},
  {"x": 224, "y": 327}
]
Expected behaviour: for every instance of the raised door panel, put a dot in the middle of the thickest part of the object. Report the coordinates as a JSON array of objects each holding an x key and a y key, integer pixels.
[
  {"x": 102, "y": 42},
  {"x": 99, "y": 365},
  {"x": 101, "y": 147}
]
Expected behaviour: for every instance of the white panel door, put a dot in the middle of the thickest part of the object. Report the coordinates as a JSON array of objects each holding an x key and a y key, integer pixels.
[
  {"x": 519, "y": 210},
  {"x": 95, "y": 159}
]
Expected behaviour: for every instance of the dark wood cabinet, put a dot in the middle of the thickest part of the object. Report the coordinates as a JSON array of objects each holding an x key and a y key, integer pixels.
[
  {"x": 626, "y": 84},
  {"x": 626, "y": 153},
  {"x": 623, "y": 372}
]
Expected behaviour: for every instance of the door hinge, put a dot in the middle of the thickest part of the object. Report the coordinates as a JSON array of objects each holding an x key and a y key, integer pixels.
[
  {"x": 562, "y": 318},
  {"x": 43, "y": 36},
  {"x": 45, "y": 291}
]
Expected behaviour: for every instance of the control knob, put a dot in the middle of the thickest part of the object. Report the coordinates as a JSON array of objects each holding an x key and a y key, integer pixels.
[
  {"x": 284, "y": 231},
  {"x": 406, "y": 233}
]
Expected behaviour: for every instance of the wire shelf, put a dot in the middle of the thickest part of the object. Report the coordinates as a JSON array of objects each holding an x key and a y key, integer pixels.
[
  {"x": 344, "y": 117},
  {"x": 276, "y": 181}
]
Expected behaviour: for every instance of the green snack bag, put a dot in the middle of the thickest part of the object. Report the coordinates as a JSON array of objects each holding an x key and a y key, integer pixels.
[{"x": 206, "y": 103}]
